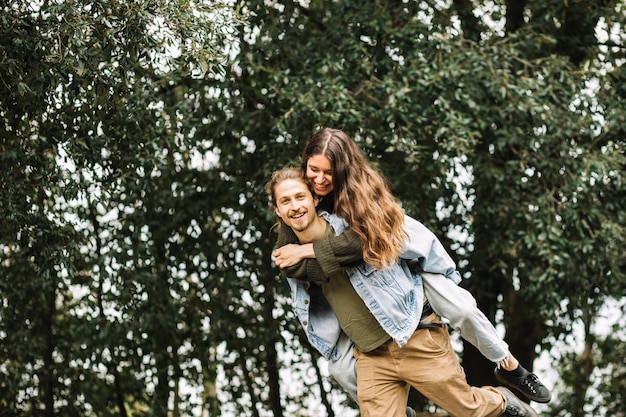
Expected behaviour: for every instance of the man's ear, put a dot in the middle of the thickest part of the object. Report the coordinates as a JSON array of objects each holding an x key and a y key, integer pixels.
[
  {"x": 277, "y": 212},
  {"x": 316, "y": 200}
]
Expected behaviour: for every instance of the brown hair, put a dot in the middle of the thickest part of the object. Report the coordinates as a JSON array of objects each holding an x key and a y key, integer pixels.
[
  {"x": 289, "y": 173},
  {"x": 362, "y": 196}
]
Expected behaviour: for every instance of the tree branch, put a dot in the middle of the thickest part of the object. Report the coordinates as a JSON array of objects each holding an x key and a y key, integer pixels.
[{"x": 469, "y": 23}]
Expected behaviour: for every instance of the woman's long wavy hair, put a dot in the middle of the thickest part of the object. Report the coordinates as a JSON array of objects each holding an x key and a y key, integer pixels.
[{"x": 362, "y": 196}]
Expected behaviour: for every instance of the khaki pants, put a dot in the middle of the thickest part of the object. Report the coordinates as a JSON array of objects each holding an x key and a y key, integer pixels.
[{"x": 428, "y": 363}]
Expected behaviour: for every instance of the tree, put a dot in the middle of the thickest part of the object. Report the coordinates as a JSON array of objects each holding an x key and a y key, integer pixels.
[
  {"x": 509, "y": 104},
  {"x": 136, "y": 139},
  {"x": 92, "y": 319}
]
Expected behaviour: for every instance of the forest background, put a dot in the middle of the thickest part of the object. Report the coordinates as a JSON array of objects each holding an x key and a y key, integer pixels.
[{"x": 135, "y": 235}]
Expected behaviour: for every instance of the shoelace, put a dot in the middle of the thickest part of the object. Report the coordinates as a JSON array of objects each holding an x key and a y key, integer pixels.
[{"x": 530, "y": 380}]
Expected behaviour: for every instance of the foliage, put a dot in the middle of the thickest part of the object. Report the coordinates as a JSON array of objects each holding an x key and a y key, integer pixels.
[
  {"x": 97, "y": 189},
  {"x": 526, "y": 118},
  {"x": 136, "y": 138},
  {"x": 592, "y": 382}
]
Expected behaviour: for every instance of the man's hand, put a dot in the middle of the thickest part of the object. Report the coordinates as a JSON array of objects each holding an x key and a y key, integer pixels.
[{"x": 291, "y": 254}]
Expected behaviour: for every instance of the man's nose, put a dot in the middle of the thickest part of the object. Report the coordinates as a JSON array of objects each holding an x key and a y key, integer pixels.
[{"x": 298, "y": 204}]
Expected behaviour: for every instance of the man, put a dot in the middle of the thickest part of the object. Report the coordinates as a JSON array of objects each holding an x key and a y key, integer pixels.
[{"x": 399, "y": 340}]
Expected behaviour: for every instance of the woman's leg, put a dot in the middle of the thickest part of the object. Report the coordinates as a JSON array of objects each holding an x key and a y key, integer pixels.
[
  {"x": 459, "y": 307},
  {"x": 343, "y": 370}
]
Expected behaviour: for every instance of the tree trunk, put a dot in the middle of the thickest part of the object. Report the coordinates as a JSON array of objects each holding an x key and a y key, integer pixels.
[
  {"x": 524, "y": 330},
  {"x": 48, "y": 373},
  {"x": 323, "y": 393},
  {"x": 272, "y": 367}
]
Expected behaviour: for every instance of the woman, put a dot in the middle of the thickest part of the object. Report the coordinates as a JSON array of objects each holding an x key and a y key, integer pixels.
[{"x": 350, "y": 187}]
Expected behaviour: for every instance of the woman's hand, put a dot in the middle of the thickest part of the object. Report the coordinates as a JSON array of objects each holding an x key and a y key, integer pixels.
[{"x": 291, "y": 254}]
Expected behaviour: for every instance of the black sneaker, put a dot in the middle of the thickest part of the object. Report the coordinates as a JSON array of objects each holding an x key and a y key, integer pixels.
[
  {"x": 528, "y": 385},
  {"x": 514, "y": 406}
]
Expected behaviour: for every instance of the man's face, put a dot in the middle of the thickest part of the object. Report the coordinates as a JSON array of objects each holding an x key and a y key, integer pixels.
[
  {"x": 320, "y": 172},
  {"x": 295, "y": 204}
]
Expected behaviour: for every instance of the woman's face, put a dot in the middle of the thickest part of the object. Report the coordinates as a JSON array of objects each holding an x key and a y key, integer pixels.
[{"x": 319, "y": 172}]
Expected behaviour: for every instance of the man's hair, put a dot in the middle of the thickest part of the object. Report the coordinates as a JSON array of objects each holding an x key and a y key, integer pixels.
[
  {"x": 362, "y": 196},
  {"x": 289, "y": 173}
]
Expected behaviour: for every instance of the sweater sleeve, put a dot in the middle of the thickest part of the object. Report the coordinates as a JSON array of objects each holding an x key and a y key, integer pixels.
[
  {"x": 305, "y": 270},
  {"x": 332, "y": 254},
  {"x": 339, "y": 252}
]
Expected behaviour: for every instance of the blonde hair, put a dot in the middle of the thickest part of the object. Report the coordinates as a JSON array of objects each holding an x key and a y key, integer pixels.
[
  {"x": 361, "y": 196},
  {"x": 289, "y": 173}
]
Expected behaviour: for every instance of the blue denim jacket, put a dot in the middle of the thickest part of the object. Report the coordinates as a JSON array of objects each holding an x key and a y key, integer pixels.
[{"x": 393, "y": 295}]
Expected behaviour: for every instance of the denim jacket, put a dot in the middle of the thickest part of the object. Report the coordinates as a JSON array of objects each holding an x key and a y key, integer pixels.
[{"x": 393, "y": 295}]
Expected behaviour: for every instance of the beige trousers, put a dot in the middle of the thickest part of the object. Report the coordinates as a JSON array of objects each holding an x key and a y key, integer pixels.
[{"x": 429, "y": 364}]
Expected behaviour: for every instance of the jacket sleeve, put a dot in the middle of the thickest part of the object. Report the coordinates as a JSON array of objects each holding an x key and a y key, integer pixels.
[{"x": 424, "y": 252}]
